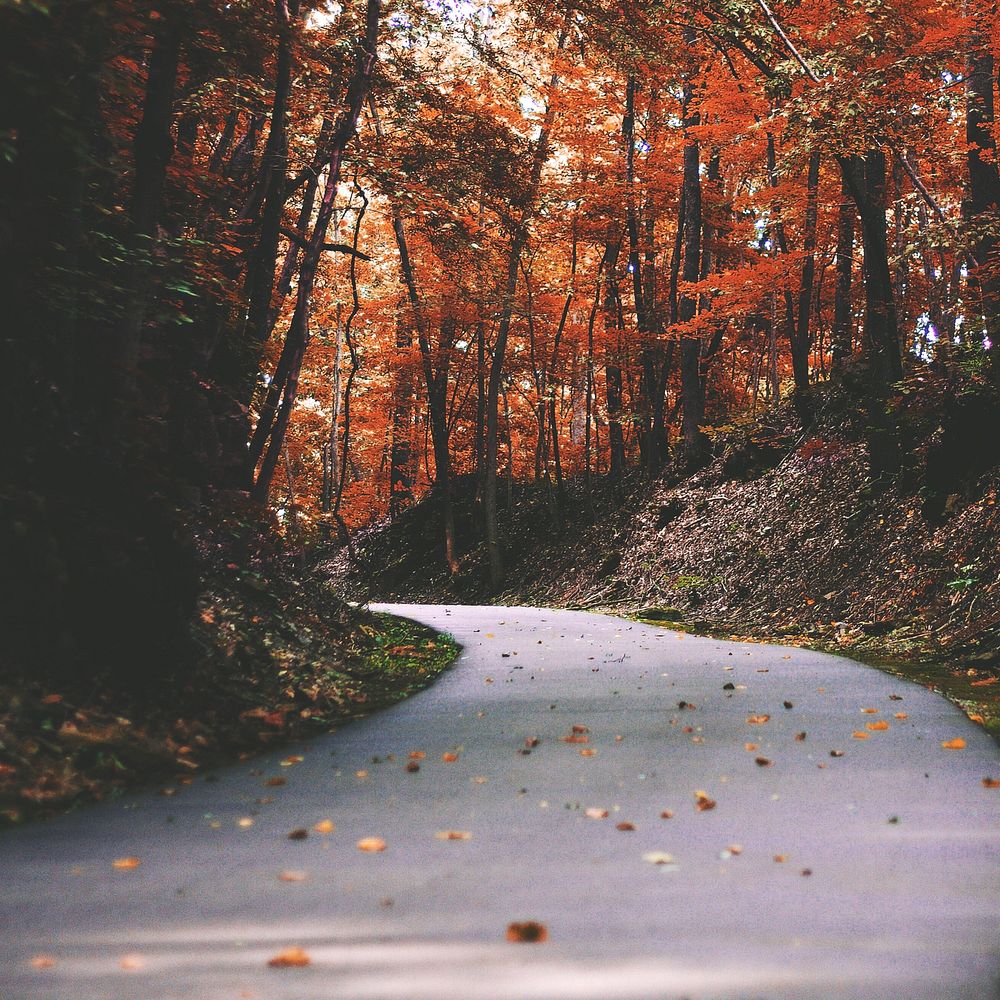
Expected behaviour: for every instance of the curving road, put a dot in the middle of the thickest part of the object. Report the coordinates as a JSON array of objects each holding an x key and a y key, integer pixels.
[{"x": 870, "y": 874}]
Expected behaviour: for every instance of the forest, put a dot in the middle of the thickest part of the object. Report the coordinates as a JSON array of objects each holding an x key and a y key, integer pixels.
[
  {"x": 277, "y": 273},
  {"x": 625, "y": 374}
]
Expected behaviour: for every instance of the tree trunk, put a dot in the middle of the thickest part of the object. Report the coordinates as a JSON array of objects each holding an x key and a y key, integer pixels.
[
  {"x": 984, "y": 188},
  {"x": 843, "y": 312},
  {"x": 153, "y": 146},
  {"x": 865, "y": 177},
  {"x": 692, "y": 387},
  {"x": 298, "y": 332},
  {"x": 518, "y": 241}
]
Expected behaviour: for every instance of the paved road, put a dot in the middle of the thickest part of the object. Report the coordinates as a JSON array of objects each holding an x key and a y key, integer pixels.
[{"x": 868, "y": 875}]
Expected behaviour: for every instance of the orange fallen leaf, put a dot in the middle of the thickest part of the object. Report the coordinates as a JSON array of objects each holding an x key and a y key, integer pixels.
[
  {"x": 42, "y": 962},
  {"x": 580, "y": 729},
  {"x": 666, "y": 814},
  {"x": 750, "y": 747},
  {"x": 275, "y": 782},
  {"x": 975, "y": 717},
  {"x": 293, "y": 759},
  {"x": 54, "y": 699},
  {"x": 527, "y": 932},
  {"x": 131, "y": 963},
  {"x": 781, "y": 858},
  {"x": 757, "y": 720},
  {"x": 860, "y": 735},
  {"x": 245, "y": 821},
  {"x": 956, "y": 744},
  {"x": 449, "y": 758},
  {"x": 371, "y": 844},
  {"x": 588, "y": 753},
  {"x": 991, "y": 783},
  {"x": 870, "y": 711},
  {"x": 453, "y": 835},
  {"x": 879, "y": 726},
  {"x": 625, "y": 826},
  {"x": 125, "y": 863},
  {"x": 292, "y": 876},
  {"x": 901, "y": 715},
  {"x": 324, "y": 826},
  {"x": 576, "y": 738},
  {"x": 976, "y": 684},
  {"x": 289, "y": 958},
  {"x": 417, "y": 755},
  {"x": 703, "y": 803}
]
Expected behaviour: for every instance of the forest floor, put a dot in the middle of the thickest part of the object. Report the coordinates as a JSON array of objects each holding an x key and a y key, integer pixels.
[
  {"x": 275, "y": 656},
  {"x": 783, "y": 537}
]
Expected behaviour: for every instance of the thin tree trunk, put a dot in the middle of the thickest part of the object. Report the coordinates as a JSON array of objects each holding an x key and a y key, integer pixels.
[
  {"x": 692, "y": 386},
  {"x": 843, "y": 319},
  {"x": 518, "y": 241}
]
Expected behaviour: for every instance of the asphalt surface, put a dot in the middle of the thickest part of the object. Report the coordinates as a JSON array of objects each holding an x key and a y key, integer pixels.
[{"x": 870, "y": 874}]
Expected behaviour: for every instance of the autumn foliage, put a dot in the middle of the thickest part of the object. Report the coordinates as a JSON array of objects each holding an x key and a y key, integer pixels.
[{"x": 335, "y": 256}]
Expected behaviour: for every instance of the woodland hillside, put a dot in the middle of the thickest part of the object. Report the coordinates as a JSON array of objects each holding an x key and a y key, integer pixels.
[{"x": 275, "y": 271}]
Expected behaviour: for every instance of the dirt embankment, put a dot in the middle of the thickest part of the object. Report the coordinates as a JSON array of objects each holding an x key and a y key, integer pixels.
[{"x": 783, "y": 536}]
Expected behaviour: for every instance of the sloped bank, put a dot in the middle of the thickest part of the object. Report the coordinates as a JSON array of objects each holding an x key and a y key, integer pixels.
[{"x": 783, "y": 537}]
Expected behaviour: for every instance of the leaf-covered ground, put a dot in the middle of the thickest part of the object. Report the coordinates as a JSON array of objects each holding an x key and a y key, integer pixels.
[{"x": 277, "y": 655}]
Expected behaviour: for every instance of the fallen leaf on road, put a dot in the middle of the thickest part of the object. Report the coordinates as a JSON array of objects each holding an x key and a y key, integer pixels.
[
  {"x": 879, "y": 726},
  {"x": 956, "y": 744},
  {"x": 293, "y": 876},
  {"x": 901, "y": 715},
  {"x": 580, "y": 729},
  {"x": 42, "y": 962},
  {"x": 800, "y": 737},
  {"x": 448, "y": 757},
  {"x": 870, "y": 711},
  {"x": 660, "y": 858},
  {"x": 293, "y": 759},
  {"x": 625, "y": 827},
  {"x": 131, "y": 963},
  {"x": 764, "y": 762},
  {"x": 757, "y": 720},
  {"x": 588, "y": 753},
  {"x": 527, "y": 932},
  {"x": 593, "y": 812},
  {"x": 453, "y": 835},
  {"x": 412, "y": 767},
  {"x": 300, "y": 833},
  {"x": 371, "y": 844},
  {"x": 750, "y": 747},
  {"x": 245, "y": 821},
  {"x": 289, "y": 958},
  {"x": 417, "y": 755},
  {"x": 781, "y": 858},
  {"x": 860, "y": 735},
  {"x": 125, "y": 863},
  {"x": 576, "y": 738},
  {"x": 991, "y": 783},
  {"x": 703, "y": 803},
  {"x": 666, "y": 814},
  {"x": 324, "y": 826}
]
